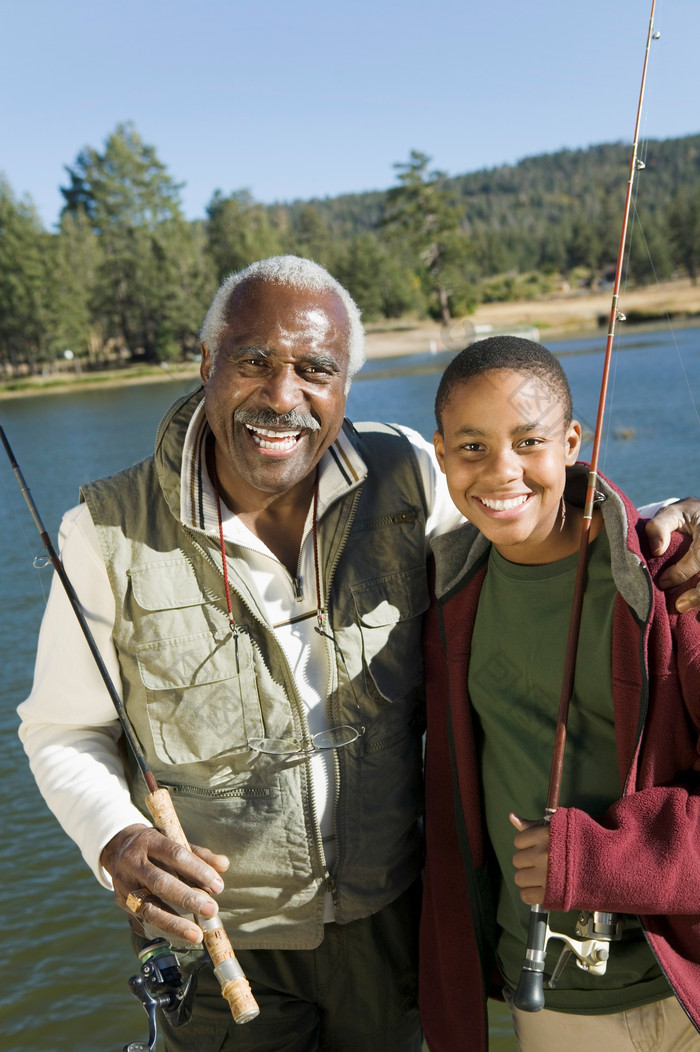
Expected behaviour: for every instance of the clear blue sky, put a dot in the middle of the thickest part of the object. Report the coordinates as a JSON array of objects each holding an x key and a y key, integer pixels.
[{"x": 307, "y": 99}]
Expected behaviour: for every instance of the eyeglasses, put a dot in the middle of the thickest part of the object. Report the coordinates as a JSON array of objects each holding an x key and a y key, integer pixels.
[{"x": 333, "y": 738}]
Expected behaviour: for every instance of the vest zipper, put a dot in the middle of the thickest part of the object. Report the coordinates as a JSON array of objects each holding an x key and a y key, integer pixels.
[
  {"x": 338, "y": 763},
  {"x": 321, "y": 868}
]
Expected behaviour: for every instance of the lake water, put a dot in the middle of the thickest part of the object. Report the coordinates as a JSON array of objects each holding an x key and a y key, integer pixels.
[{"x": 67, "y": 960}]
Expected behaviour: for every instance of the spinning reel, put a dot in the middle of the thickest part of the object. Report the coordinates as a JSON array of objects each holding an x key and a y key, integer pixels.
[
  {"x": 595, "y": 929},
  {"x": 160, "y": 984}
]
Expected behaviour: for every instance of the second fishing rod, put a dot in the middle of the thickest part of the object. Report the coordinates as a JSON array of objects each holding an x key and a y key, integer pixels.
[{"x": 595, "y": 929}]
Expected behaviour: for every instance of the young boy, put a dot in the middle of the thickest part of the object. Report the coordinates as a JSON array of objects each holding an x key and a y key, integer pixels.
[{"x": 625, "y": 837}]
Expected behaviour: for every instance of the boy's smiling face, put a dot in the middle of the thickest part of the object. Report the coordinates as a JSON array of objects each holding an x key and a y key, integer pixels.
[{"x": 504, "y": 448}]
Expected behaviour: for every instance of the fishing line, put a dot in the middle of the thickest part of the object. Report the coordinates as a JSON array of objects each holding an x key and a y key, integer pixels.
[
  {"x": 669, "y": 325},
  {"x": 609, "y": 431},
  {"x": 39, "y": 559},
  {"x": 637, "y": 228},
  {"x": 671, "y": 328}
]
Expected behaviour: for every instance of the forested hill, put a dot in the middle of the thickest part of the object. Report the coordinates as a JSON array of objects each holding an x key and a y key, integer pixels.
[
  {"x": 126, "y": 276},
  {"x": 547, "y": 179},
  {"x": 558, "y": 210}
]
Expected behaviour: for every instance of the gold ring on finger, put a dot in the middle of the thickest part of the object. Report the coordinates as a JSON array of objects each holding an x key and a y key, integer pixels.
[{"x": 136, "y": 899}]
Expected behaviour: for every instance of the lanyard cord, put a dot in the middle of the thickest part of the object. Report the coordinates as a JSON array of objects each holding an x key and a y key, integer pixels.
[
  {"x": 222, "y": 545},
  {"x": 314, "y": 534}
]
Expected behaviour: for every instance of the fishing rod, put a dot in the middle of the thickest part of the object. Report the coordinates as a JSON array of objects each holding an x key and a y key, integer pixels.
[
  {"x": 157, "y": 987},
  {"x": 596, "y": 929}
]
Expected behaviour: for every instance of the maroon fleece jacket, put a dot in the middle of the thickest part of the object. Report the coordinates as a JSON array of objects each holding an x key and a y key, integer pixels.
[{"x": 641, "y": 857}]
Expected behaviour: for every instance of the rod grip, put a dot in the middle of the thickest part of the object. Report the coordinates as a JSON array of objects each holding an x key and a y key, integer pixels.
[
  {"x": 164, "y": 815},
  {"x": 235, "y": 988},
  {"x": 529, "y": 996}
]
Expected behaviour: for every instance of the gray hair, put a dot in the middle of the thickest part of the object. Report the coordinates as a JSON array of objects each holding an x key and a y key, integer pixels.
[{"x": 300, "y": 274}]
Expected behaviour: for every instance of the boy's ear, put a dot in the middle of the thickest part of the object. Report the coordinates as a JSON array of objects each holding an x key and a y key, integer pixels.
[
  {"x": 439, "y": 443},
  {"x": 573, "y": 441}
]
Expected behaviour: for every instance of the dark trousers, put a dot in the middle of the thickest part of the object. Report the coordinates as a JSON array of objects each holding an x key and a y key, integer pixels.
[{"x": 356, "y": 992}]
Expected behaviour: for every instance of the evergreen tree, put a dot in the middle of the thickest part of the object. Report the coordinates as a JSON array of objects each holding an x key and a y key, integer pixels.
[
  {"x": 24, "y": 283},
  {"x": 76, "y": 258},
  {"x": 583, "y": 248},
  {"x": 649, "y": 252},
  {"x": 133, "y": 205},
  {"x": 191, "y": 281},
  {"x": 311, "y": 237},
  {"x": 239, "y": 232},
  {"x": 380, "y": 285},
  {"x": 423, "y": 214},
  {"x": 684, "y": 229}
]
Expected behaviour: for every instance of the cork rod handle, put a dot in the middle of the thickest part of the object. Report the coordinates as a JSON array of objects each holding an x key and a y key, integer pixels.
[{"x": 234, "y": 985}]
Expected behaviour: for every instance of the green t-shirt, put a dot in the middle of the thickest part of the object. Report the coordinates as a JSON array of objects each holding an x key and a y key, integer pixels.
[{"x": 515, "y": 678}]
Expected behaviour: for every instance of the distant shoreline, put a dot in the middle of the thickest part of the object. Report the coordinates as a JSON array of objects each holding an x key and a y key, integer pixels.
[
  {"x": 566, "y": 315},
  {"x": 561, "y": 316}
]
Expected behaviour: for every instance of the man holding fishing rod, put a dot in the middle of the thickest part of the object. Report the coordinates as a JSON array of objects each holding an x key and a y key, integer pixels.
[{"x": 257, "y": 591}]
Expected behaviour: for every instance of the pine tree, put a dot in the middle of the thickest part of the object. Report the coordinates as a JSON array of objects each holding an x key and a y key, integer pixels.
[
  {"x": 422, "y": 213},
  {"x": 25, "y": 291},
  {"x": 76, "y": 257},
  {"x": 239, "y": 232},
  {"x": 684, "y": 230},
  {"x": 133, "y": 205},
  {"x": 379, "y": 283}
]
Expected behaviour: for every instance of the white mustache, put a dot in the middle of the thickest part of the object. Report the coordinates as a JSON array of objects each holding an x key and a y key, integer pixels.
[{"x": 291, "y": 421}]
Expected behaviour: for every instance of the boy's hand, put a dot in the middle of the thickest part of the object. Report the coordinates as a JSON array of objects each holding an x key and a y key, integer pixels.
[{"x": 530, "y": 858}]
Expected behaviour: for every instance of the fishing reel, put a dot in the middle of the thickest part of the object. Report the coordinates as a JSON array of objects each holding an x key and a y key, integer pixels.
[
  {"x": 595, "y": 929},
  {"x": 161, "y": 985}
]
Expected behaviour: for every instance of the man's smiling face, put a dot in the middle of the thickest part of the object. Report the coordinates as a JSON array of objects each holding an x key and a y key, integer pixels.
[{"x": 275, "y": 391}]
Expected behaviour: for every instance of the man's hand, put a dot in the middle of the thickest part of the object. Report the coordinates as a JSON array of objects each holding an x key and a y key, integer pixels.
[
  {"x": 530, "y": 858},
  {"x": 685, "y": 517},
  {"x": 140, "y": 859}
]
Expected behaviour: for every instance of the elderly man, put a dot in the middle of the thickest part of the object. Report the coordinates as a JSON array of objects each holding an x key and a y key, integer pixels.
[{"x": 257, "y": 590}]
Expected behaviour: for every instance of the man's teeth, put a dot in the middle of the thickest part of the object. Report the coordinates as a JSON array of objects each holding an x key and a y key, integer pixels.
[
  {"x": 279, "y": 439},
  {"x": 504, "y": 505}
]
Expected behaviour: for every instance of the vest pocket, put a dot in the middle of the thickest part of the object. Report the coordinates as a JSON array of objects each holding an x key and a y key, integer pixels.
[
  {"x": 202, "y": 699},
  {"x": 390, "y": 613}
]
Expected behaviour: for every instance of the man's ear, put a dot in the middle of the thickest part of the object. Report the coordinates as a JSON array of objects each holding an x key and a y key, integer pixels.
[
  {"x": 205, "y": 367},
  {"x": 439, "y": 443}
]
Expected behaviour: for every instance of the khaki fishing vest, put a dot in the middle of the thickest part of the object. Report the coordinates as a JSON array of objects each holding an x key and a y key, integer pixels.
[{"x": 196, "y": 693}]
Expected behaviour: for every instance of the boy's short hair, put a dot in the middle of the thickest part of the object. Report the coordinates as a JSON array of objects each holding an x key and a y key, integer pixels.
[{"x": 504, "y": 352}]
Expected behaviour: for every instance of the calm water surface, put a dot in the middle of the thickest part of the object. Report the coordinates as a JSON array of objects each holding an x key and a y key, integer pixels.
[{"x": 66, "y": 958}]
